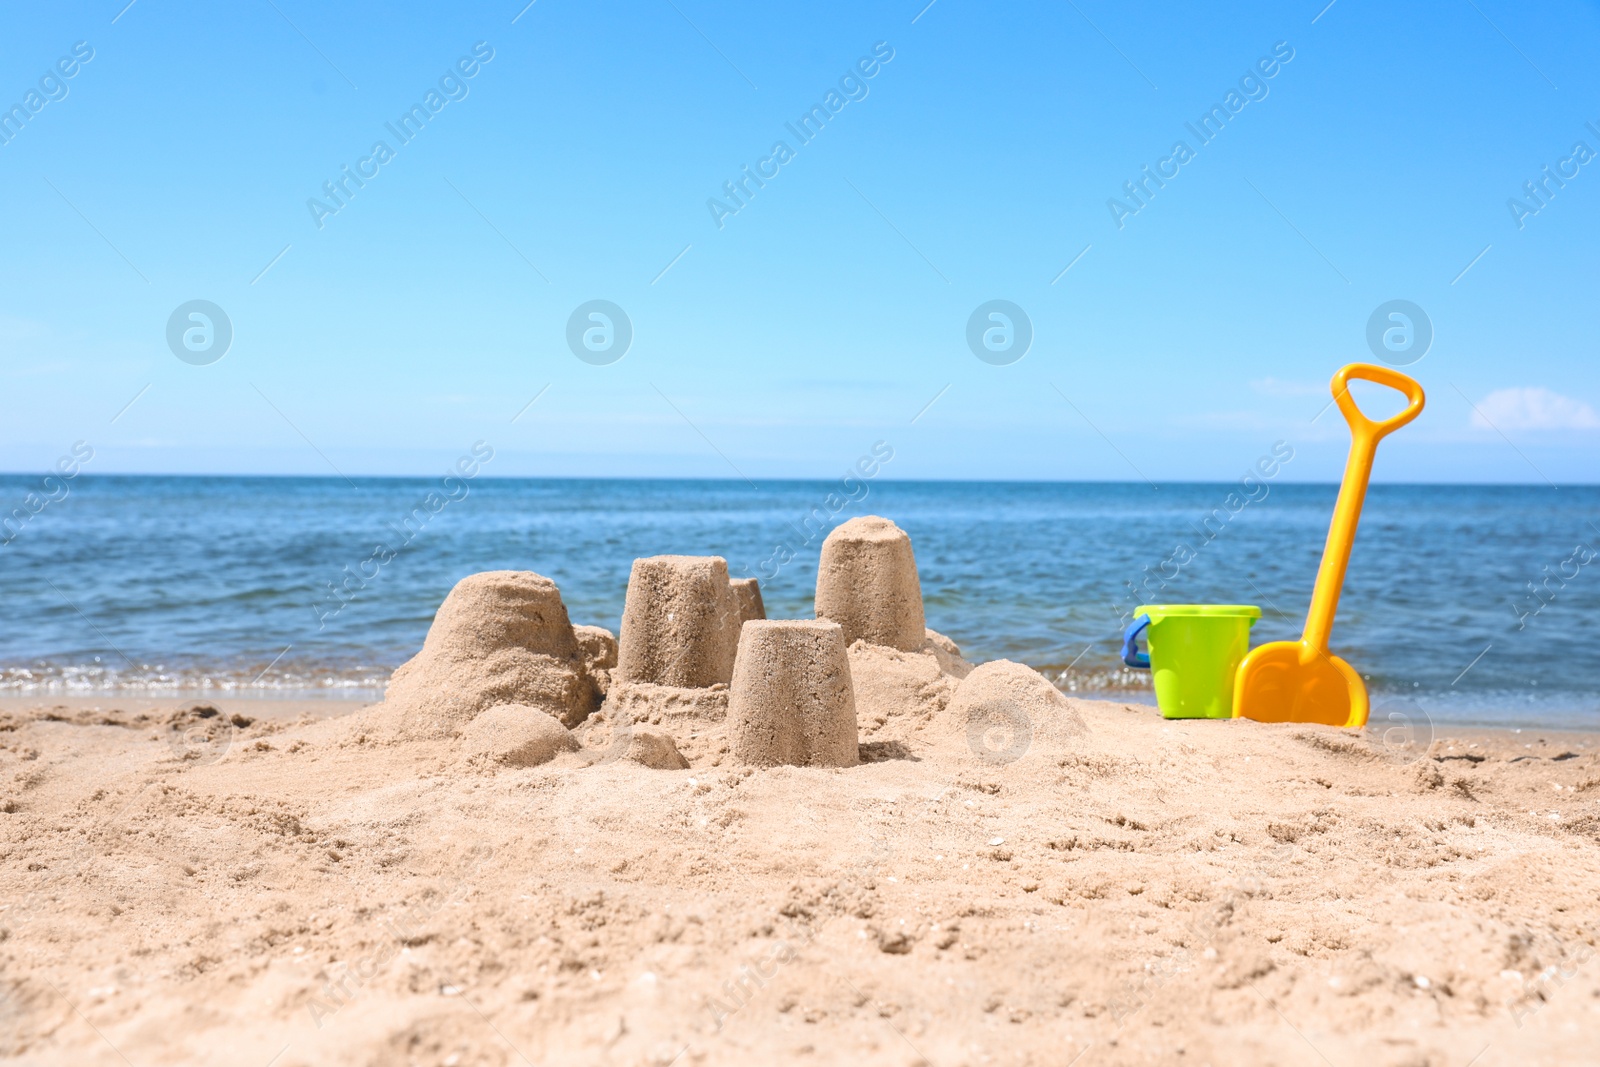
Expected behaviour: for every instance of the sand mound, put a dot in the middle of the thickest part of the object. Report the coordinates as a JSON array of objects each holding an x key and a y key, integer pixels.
[
  {"x": 516, "y": 735},
  {"x": 900, "y": 692},
  {"x": 1005, "y": 708},
  {"x": 655, "y": 751},
  {"x": 791, "y": 700},
  {"x": 500, "y": 637},
  {"x": 867, "y": 583},
  {"x": 598, "y": 645},
  {"x": 680, "y": 622}
]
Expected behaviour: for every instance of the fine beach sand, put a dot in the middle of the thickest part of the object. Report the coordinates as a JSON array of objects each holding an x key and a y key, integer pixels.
[{"x": 297, "y": 890}]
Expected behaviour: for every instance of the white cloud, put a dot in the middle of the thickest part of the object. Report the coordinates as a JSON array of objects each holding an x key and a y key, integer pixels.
[{"x": 1532, "y": 408}]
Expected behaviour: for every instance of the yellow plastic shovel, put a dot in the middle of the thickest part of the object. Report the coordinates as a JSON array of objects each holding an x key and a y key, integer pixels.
[{"x": 1301, "y": 681}]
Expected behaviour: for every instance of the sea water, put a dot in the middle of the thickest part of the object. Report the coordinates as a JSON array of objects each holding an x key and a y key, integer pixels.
[{"x": 1469, "y": 604}]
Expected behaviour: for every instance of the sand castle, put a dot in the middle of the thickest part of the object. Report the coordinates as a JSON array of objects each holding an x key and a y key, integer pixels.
[
  {"x": 867, "y": 583},
  {"x": 700, "y": 677},
  {"x": 792, "y": 700}
]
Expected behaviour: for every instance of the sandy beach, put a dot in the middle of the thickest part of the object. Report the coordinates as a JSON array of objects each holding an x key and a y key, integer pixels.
[
  {"x": 708, "y": 534},
  {"x": 305, "y": 891}
]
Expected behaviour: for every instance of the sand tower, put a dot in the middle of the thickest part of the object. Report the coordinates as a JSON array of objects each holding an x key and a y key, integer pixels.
[
  {"x": 680, "y": 623},
  {"x": 748, "y": 592},
  {"x": 867, "y": 583},
  {"x": 791, "y": 700}
]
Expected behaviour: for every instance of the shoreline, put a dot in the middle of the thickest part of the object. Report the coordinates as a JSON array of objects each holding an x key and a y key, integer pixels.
[
  {"x": 316, "y": 706},
  {"x": 276, "y": 709}
]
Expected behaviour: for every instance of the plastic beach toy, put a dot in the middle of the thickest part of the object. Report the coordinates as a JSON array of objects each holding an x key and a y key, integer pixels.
[
  {"x": 1194, "y": 651},
  {"x": 1301, "y": 681}
]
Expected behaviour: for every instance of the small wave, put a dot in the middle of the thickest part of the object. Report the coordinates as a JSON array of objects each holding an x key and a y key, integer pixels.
[
  {"x": 1099, "y": 680},
  {"x": 87, "y": 678}
]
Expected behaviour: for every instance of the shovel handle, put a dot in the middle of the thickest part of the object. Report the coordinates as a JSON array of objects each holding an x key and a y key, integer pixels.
[
  {"x": 1360, "y": 425},
  {"x": 1364, "y": 437}
]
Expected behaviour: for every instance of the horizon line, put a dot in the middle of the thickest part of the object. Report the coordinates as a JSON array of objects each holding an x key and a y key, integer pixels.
[{"x": 878, "y": 479}]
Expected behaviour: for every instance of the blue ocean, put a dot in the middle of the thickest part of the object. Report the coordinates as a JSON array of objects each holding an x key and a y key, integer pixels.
[{"x": 1474, "y": 604}]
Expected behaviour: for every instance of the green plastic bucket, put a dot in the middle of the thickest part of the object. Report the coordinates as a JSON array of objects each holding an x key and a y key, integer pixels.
[{"x": 1194, "y": 651}]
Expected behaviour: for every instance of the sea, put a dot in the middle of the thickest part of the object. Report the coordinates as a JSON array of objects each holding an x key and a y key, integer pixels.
[{"x": 1464, "y": 605}]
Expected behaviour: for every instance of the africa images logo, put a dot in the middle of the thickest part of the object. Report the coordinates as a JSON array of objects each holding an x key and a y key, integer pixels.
[
  {"x": 199, "y": 332},
  {"x": 1399, "y": 332},
  {"x": 999, "y": 332},
  {"x": 599, "y": 332}
]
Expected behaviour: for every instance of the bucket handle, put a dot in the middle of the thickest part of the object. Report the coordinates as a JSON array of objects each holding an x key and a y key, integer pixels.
[{"x": 1130, "y": 649}]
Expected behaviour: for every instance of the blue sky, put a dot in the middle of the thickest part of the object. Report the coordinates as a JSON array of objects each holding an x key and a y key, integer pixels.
[{"x": 577, "y": 164}]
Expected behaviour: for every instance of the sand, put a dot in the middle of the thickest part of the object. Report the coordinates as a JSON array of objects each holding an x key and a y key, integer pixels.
[{"x": 292, "y": 890}]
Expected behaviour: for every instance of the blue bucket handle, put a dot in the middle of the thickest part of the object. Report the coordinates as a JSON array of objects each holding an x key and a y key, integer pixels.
[{"x": 1130, "y": 649}]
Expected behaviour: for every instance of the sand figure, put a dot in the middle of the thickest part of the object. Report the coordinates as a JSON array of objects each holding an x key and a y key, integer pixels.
[
  {"x": 748, "y": 592},
  {"x": 655, "y": 751},
  {"x": 791, "y": 700},
  {"x": 680, "y": 623},
  {"x": 500, "y": 637},
  {"x": 867, "y": 583}
]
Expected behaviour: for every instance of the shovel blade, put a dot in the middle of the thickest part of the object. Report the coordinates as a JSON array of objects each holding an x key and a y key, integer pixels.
[{"x": 1289, "y": 681}]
